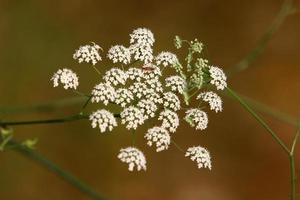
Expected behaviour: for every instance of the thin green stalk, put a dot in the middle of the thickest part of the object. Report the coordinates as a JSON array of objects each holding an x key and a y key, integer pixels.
[
  {"x": 98, "y": 72},
  {"x": 177, "y": 146},
  {"x": 259, "y": 119},
  {"x": 42, "y": 107},
  {"x": 83, "y": 187},
  {"x": 293, "y": 177},
  {"x": 47, "y": 121},
  {"x": 285, "y": 11}
]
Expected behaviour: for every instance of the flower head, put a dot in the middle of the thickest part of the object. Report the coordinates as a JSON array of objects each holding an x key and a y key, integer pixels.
[
  {"x": 66, "y": 77},
  {"x": 141, "y": 41},
  {"x": 218, "y": 77},
  {"x": 214, "y": 100},
  {"x": 170, "y": 120},
  {"x": 166, "y": 58},
  {"x": 176, "y": 83},
  {"x": 160, "y": 137},
  {"x": 88, "y": 54},
  {"x": 104, "y": 93},
  {"x": 142, "y": 36},
  {"x": 200, "y": 155},
  {"x": 135, "y": 74},
  {"x": 132, "y": 117},
  {"x": 104, "y": 119},
  {"x": 171, "y": 101},
  {"x": 119, "y": 53},
  {"x": 196, "y": 117},
  {"x": 139, "y": 89},
  {"x": 123, "y": 97},
  {"x": 115, "y": 76},
  {"x": 147, "y": 107},
  {"x": 133, "y": 157}
]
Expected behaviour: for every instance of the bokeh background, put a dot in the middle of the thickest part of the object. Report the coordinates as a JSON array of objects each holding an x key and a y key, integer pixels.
[{"x": 37, "y": 37}]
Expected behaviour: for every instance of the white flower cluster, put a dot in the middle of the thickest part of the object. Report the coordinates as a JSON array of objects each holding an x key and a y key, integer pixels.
[
  {"x": 147, "y": 107},
  {"x": 88, "y": 54},
  {"x": 166, "y": 58},
  {"x": 135, "y": 74},
  {"x": 104, "y": 93},
  {"x": 200, "y": 155},
  {"x": 66, "y": 77},
  {"x": 176, "y": 83},
  {"x": 170, "y": 120},
  {"x": 132, "y": 117},
  {"x": 171, "y": 101},
  {"x": 218, "y": 78},
  {"x": 141, "y": 41},
  {"x": 137, "y": 93},
  {"x": 104, "y": 119},
  {"x": 119, "y": 53},
  {"x": 160, "y": 137},
  {"x": 123, "y": 97},
  {"x": 133, "y": 157},
  {"x": 196, "y": 117},
  {"x": 214, "y": 100},
  {"x": 115, "y": 76}
]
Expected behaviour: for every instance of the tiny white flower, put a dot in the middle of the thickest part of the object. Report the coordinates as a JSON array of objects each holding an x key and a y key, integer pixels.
[
  {"x": 123, "y": 97},
  {"x": 151, "y": 71},
  {"x": 147, "y": 107},
  {"x": 176, "y": 83},
  {"x": 139, "y": 89},
  {"x": 155, "y": 85},
  {"x": 115, "y": 76},
  {"x": 104, "y": 119},
  {"x": 170, "y": 120},
  {"x": 135, "y": 74},
  {"x": 88, "y": 54},
  {"x": 218, "y": 77},
  {"x": 141, "y": 41},
  {"x": 214, "y": 100},
  {"x": 142, "y": 36},
  {"x": 171, "y": 101},
  {"x": 200, "y": 155},
  {"x": 132, "y": 117},
  {"x": 104, "y": 93},
  {"x": 66, "y": 77},
  {"x": 133, "y": 157},
  {"x": 141, "y": 53},
  {"x": 197, "y": 117},
  {"x": 119, "y": 53},
  {"x": 160, "y": 137},
  {"x": 166, "y": 58},
  {"x": 155, "y": 97}
]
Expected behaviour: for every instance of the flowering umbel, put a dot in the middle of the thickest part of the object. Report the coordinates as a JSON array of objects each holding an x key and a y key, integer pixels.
[{"x": 152, "y": 90}]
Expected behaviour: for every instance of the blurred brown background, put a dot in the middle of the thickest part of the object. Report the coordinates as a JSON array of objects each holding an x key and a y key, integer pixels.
[{"x": 39, "y": 36}]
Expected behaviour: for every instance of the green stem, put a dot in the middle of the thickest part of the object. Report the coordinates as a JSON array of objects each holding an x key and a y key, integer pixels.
[
  {"x": 293, "y": 177},
  {"x": 56, "y": 169},
  {"x": 259, "y": 119},
  {"x": 286, "y": 10},
  {"x": 98, "y": 72},
  {"x": 177, "y": 146},
  {"x": 47, "y": 121}
]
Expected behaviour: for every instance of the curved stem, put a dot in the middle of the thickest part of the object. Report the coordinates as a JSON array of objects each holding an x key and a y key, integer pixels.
[
  {"x": 259, "y": 119},
  {"x": 56, "y": 169}
]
